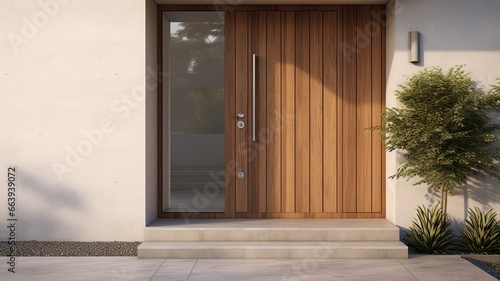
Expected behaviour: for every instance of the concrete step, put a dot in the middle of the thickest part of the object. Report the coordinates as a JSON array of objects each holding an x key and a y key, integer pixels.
[
  {"x": 272, "y": 239},
  {"x": 273, "y": 250},
  {"x": 271, "y": 230}
]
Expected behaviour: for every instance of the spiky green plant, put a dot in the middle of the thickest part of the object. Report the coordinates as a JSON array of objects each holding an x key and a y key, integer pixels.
[
  {"x": 431, "y": 232},
  {"x": 481, "y": 234}
]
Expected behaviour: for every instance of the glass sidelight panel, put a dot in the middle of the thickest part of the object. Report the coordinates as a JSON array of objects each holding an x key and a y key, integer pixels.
[{"x": 193, "y": 111}]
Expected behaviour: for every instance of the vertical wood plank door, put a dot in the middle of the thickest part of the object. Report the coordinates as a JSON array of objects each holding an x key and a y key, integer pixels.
[{"x": 316, "y": 89}]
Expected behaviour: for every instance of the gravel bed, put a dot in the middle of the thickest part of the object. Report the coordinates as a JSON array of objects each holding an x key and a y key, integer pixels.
[
  {"x": 71, "y": 249},
  {"x": 487, "y": 267}
]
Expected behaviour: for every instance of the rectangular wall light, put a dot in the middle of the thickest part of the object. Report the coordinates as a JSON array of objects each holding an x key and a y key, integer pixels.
[{"x": 414, "y": 46}]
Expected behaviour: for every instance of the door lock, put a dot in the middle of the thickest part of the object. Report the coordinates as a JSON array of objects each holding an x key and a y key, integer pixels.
[
  {"x": 241, "y": 175},
  {"x": 240, "y": 124}
]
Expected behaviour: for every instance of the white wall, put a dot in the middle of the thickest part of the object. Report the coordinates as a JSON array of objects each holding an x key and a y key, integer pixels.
[
  {"x": 68, "y": 69},
  {"x": 453, "y": 32}
]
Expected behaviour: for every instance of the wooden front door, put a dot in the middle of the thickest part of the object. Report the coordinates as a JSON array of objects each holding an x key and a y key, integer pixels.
[{"x": 304, "y": 105}]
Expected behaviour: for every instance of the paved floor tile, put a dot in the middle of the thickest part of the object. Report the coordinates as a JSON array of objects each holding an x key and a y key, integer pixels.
[
  {"x": 288, "y": 270},
  {"x": 81, "y": 268},
  {"x": 416, "y": 268},
  {"x": 175, "y": 270}
]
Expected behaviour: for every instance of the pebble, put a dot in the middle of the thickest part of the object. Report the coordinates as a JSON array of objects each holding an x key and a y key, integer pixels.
[{"x": 487, "y": 267}]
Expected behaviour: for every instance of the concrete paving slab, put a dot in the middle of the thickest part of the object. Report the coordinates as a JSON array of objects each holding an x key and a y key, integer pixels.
[{"x": 416, "y": 268}]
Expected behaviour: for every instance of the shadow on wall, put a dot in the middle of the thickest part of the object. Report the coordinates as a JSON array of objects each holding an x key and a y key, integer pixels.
[
  {"x": 44, "y": 209},
  {"x": 403, "y": 232},
  {"x": 481, "y": 189}
]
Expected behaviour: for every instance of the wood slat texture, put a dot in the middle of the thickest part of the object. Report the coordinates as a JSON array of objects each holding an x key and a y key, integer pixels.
[
  {"x": 262, "y": 113},
  {"x": 320, "y": 86},
  {"x": 242, "y": 84},
  {"x": 257, "y": 160},
  {"x": 302, "y": 132},
  {"x": 349, "y": 104},
  {"x": 363, "y": 112},
  {"x": 274, "y": 49},
  {"x": 330, "y": 114},
  {"x": 377, "y": 73},
  {"x": 316, "y": 111},
  {"x": 288, "y": 112},
  {"x": 381, "y": 20}
]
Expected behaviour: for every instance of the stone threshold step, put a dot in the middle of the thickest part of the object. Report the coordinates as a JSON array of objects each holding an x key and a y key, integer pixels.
[
  {"x": 272, "y": 230},
  {"x": 273, "y": 250},
  {"x": 283, "y": 234},
  {"x": 271, "y": 234}
]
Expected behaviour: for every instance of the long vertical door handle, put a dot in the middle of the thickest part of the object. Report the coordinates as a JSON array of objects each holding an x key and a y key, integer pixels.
[{"x": 254, "y": 57}]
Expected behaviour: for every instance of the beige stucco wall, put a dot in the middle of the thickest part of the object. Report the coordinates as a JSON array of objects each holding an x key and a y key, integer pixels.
[
  {"x": 72, "y": 105},
  {"x": 453, "y": 32},
  {"x": 78, "y": 109}
]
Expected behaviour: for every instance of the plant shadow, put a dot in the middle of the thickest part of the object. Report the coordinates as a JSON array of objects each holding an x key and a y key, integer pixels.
[{"x": 45, "y": 210}]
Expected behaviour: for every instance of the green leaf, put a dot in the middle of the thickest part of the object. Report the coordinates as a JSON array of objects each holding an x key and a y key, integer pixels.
[
  {"x": 430, "y": 232},
  {"x": 481, "y": 233}
]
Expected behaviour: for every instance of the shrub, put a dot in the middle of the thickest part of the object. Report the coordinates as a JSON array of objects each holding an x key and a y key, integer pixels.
[
  {"x": 481, "y": 234},
  {"x": 430, "y": 233},
  {"x": 444, "y": 129}
]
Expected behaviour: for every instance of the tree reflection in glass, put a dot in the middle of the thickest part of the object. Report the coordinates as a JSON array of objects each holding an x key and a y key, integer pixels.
[
  {"x": 196, "y": 66},
  {"x": 197, "y": 77}
]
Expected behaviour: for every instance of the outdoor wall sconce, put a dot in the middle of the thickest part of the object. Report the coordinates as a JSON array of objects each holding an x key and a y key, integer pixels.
[{"x": 414, "y": 46}]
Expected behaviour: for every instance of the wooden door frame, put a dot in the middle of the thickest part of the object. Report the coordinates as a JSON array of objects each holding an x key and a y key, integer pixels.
[{"x": 230, "y": 134}]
